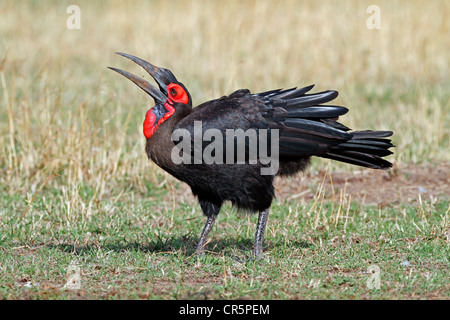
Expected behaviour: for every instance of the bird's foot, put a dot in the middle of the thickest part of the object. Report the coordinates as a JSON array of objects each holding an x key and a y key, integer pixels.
[
  {"x": 258, "y": 252},
  {"x": 199, "y": 253}
]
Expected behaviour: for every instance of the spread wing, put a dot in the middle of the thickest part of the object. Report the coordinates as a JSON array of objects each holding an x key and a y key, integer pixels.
[{"x": 303, "y": 124}]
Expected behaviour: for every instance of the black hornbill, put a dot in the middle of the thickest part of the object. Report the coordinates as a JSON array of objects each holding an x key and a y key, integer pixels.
[{"x": 302, "y": 125}]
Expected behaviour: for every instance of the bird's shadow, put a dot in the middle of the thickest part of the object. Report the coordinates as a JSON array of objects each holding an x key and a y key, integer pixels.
[{"x": 228, "y": 246}]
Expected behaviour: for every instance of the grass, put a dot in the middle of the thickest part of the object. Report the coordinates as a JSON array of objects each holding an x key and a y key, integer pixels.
[
  {"x": 311, "y": 252},
  {"x": 75, "y": 183}
]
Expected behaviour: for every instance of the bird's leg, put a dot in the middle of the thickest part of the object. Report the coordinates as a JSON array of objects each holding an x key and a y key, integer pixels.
[
  {"x": 211, "y": 210},
  {"x": 200, "y": 249},
  {"x": 260, "y": 230}
]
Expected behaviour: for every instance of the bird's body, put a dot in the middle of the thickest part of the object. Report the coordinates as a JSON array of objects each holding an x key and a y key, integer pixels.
[{"x": 292, "y": 124}]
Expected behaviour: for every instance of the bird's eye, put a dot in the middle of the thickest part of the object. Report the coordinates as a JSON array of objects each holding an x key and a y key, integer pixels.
[{"x": 177, "y": 93}]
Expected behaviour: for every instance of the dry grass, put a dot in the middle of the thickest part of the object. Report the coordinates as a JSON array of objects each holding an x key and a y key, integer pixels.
[{"x": 63, "y": 111}]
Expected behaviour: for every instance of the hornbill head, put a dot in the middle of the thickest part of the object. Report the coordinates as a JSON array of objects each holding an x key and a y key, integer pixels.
[{"x": 171, "y": 98}]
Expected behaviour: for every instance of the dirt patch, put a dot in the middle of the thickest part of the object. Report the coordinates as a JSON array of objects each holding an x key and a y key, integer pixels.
[
  {"x": 403, "y": 184},
  {"x": 399, "y": 185}
]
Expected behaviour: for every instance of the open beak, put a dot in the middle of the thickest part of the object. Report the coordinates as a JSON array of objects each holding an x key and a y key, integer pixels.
[{"x": 162, "y": 76}]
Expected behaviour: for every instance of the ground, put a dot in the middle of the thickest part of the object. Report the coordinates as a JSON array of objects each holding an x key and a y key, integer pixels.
[{"x": 403, "y": 184}]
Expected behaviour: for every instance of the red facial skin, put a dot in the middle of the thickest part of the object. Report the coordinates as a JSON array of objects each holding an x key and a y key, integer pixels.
[
  {"x": 176, "y": 95},
  {"x": 149, "y": 124}
]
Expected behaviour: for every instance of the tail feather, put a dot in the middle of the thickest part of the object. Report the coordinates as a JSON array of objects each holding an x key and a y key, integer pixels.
[
  {"x": 309, "y": 127},
  {"x": 366, "y": 148},
  {"x": 281, "y": 94},
  {"x": 307, "y": 100},
  {"x": 319, "y": 111},
  {"x": 293, "y": 93},
  {"x": 369, "y": 134},
  {"x": 360, "y": 159}
]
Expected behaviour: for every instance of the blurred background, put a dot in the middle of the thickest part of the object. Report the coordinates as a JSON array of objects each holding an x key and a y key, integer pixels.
[{"x": 67, "y": 123}]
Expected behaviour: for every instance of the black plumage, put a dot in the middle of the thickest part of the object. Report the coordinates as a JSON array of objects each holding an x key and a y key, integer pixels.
[{"x": 304, "y": 124}]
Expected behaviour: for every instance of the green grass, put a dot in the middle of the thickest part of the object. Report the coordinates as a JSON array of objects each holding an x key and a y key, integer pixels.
[
  {"x": 143, "y": 249},
  {"x": 75, "y": 183}
]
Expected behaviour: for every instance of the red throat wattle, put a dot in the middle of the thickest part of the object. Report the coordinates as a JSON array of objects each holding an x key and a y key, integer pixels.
[
  {"x": 152, "y": 122},
  {"x": 153, "y": 119},
  {"x": 149, "y": 124}
]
